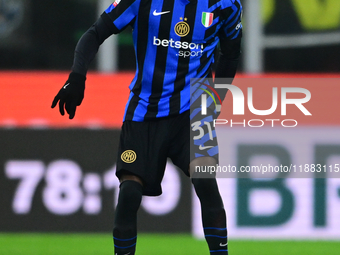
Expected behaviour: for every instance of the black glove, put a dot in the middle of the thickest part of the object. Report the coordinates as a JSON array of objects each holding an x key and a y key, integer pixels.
[{"x": 71, "y": 94}]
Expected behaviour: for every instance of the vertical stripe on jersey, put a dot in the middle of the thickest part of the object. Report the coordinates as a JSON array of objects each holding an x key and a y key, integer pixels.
[
  {"x": 161, "y": 59},
  {"x": 140, "y": 31},
  {"x": 172, "y": 56},
  {"x": 150, "y": 58},
  {"x": 206, "y": 60},
  {"x": 183, "y": 63}
]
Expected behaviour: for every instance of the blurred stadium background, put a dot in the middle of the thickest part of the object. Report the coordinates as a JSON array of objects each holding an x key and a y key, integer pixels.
[{"x": 57, "y": 184}]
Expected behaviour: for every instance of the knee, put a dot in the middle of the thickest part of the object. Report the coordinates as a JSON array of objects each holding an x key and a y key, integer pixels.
[
  {"x": 130, "y": 177},
  {"x": 200, "y": 162},
  {"x": 207, "y": 191},
  {"x": 130, "y": 195}
]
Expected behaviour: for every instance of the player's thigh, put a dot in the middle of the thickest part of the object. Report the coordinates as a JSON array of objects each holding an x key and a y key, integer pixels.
[
  {"x": 142, "y": 154},
  {"x": 179, "y": 140}
]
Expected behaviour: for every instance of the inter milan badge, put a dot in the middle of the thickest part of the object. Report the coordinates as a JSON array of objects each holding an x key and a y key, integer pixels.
[
  {"x": 128, "y": 156},
  {"x": 207, "y": 18},
  {"x": 182, "y": 28}
]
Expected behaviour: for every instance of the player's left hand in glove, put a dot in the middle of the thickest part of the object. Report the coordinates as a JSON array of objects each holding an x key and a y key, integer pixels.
[{"x": 71, "y": 94}]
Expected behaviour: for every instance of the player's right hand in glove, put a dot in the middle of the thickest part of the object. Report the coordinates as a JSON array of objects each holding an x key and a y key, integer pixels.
[{"x": 71, "y": 94}]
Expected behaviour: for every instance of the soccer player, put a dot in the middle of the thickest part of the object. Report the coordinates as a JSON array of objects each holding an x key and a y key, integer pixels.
[{"x": 174, "y": 41}]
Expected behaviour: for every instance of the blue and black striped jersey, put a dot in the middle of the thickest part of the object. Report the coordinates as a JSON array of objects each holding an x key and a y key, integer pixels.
[{"x": 174, "y": 41}]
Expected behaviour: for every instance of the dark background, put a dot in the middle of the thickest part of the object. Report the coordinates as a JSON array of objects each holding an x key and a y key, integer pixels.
[{"x": 46, "y": 36}]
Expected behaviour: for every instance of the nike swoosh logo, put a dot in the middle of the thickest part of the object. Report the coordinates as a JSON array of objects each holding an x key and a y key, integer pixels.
[
  {"x": 66, "y": 85},
  {"x": 204, "y": 147},
  {"x": 155, "y": 13},
  {"x": 223, "y": 244}
]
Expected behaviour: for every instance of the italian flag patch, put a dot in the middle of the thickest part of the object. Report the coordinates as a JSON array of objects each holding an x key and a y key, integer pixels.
[{"x": 207, "y": 18}]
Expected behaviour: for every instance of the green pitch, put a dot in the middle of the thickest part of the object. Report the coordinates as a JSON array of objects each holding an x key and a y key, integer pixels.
[{"x": 152, "y": 244}]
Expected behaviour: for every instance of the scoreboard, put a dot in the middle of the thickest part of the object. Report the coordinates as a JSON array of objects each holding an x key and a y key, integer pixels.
[{"x": 64, "y": 180}]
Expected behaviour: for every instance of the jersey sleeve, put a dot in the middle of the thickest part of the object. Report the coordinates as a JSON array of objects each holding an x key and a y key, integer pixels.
[
  {"x": 120, "y": 14},
  {"x": 231, "y": 28}
]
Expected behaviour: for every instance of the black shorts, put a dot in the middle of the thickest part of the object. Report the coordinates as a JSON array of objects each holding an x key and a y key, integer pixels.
[{"x": 145, "y": 146}]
